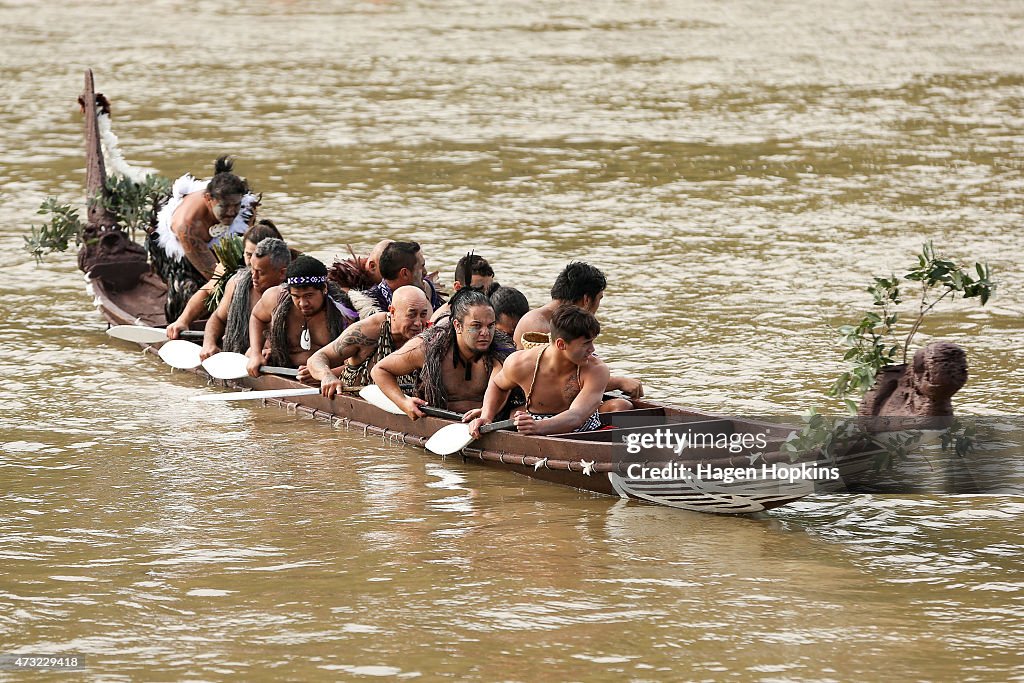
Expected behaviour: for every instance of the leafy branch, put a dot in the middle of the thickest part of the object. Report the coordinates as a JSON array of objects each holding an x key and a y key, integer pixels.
[
  {"x": 829, "y": 439},
  {"x": 874, "y": 343},
  {"x": 63, "y": 226},
  {"x": 936, "y": 272},
  {"x": 133, "y": 204},
  {"x": 819, "y": 433},
  {"x": 230, "y": 253}
]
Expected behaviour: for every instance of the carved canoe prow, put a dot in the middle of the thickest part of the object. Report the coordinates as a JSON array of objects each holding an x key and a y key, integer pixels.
[
  {"x": 924, "y": 388},
  {"x": 95, "y": 169}
]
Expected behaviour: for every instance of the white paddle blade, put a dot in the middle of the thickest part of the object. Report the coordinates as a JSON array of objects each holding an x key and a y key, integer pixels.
[
  {"x": 450, "y": 439},
  {"x": 226, "y": 365},
  {"x": 373, "y": 395},
  {"x": 253, "y": 395},
  {"x": 138, "y": 334},
  {"x": 181, "y": 354}
]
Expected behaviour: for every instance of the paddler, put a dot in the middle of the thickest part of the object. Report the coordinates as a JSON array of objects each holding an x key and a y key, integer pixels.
[
  {"x": 401, "y": 263},
  {"x": 296, "y": 319},
  {"x": 196, "y": 307},
  {"x": 510, "y": 305},
  {"x": 198, "y": 215},
  {"x": 373, "y": 260},
  {"x": 471, "y": 271},
  {"x": 583, "y": 285},
  {"x": 563, "y": 381},
  {"x": 266, "y": 269},
  {"x": 454, "y": 361},
  {"x": 363, "y": 344},
  {"x": 358, "y": 272}
]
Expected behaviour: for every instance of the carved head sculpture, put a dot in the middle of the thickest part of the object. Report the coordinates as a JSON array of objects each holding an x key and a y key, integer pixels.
[{"x": 940, "y": 370}]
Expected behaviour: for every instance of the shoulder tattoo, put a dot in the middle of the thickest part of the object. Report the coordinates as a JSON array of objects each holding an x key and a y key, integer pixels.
[{"x": 354, "y": 335}]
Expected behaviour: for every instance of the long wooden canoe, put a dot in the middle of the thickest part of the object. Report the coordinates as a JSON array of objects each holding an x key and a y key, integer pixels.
[
  {"x": 698, "y": 476},
  {"x": 593, "y": 461}
]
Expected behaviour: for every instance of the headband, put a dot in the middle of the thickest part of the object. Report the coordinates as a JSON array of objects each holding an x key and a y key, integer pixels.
[{"x": 307, "y": 280}]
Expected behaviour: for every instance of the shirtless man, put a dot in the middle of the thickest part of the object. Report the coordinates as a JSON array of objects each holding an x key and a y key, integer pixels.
[
  {"x": 196, "y": 217},
  {"x": 454, "y": 361},
  {"x": 301, "y": 318},
  {"x": 196, "y": 307},
  {"x": 401, "y": 263},
  {"x": 510, "y": 305},
  {"x": 471, "y": 271},
  {"x": 363, "y": 344},
  {"x": 267, "y": 268},
  {"x": 583, "y": 285},
  {"x": 563, "y": 380}
]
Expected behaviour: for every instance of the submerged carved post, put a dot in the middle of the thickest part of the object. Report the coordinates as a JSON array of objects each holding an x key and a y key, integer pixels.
[
  {"x": 924, "y": 388},
  {"x": 95, "y": 169}
]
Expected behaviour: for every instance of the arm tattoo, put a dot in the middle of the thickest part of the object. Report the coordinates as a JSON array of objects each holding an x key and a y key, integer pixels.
[
  {"x": 354, "y": 335},
  {"x": 318, "y": 362},
  {"x": 199, "y": 254}
]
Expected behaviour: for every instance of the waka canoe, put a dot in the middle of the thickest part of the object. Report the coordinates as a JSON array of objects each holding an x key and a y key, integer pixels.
[{"x": 596, "y": 461}]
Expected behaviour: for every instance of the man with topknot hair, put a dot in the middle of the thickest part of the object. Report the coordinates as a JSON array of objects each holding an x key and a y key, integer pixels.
[{"x": 197, "y": 216}]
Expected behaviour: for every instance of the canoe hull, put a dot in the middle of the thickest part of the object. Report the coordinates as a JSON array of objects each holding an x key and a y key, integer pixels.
[{"x": 594, "y": 466}]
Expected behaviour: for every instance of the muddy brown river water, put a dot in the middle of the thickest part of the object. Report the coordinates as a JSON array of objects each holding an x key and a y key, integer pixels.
[{"x": 739, "y": 170}]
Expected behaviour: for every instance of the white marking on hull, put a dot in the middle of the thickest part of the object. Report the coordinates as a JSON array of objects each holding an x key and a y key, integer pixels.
[{"x": 712, "y": 496}]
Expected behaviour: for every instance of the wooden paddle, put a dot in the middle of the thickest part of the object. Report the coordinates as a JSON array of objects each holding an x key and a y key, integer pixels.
[
  {"x": 147, "y": 335},
  {"x": 284, "y": 393},
  {"x": 253, "y": 395},
  {"x": 454, "y": 438},
  {"x": 180, "y": 354},
  {"x": 373, "y": 395},
  {"x": 228, "y": 365}
]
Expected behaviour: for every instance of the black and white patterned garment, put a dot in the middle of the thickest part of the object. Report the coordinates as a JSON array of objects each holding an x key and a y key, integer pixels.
[{"x": 182, "y": 278}]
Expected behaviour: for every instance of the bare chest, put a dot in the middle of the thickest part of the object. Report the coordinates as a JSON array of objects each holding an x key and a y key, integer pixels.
[
  {"x": 313, "y": 330},
  {"x": 554, "y": 392},
  {"x": 463, "y": 386}
]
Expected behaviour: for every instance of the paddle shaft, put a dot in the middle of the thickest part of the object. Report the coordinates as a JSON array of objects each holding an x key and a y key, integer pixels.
[
  {"x": 274, "y": 370},
  {"x": 440, "y": 412},
  {"x": 452, "y": 415},
  {"x": 140, "y": 334},
  {"x": 495, "y": 426},
  {"x": 274, "y": 393}
]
